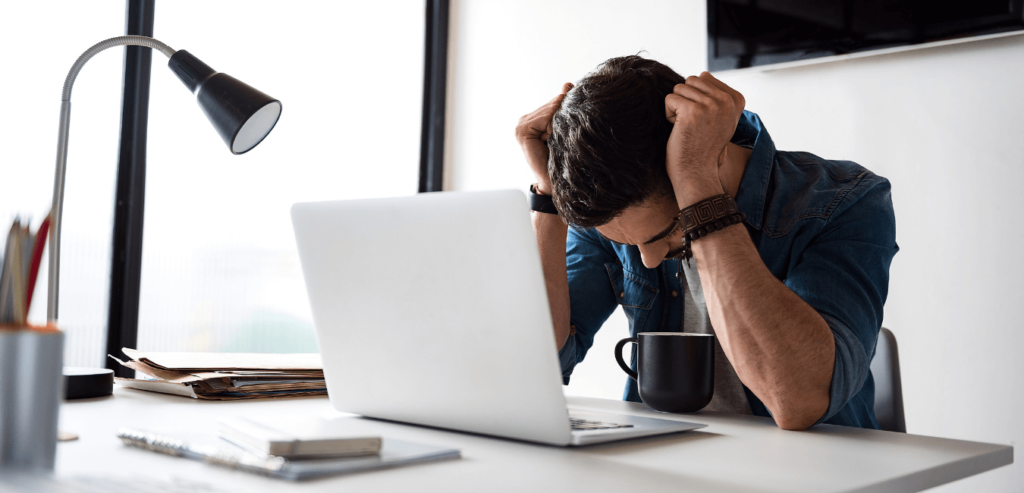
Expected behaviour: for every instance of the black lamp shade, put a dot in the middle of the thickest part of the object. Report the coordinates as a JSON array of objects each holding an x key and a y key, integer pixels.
[{"x": 242, "y": 115}]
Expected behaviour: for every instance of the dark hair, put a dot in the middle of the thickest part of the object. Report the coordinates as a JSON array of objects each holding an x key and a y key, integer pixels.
[{"x": 608, "y": 141}]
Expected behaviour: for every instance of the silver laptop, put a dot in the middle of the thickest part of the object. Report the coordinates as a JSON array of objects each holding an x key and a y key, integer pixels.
[{"x": 432, "y": 310}]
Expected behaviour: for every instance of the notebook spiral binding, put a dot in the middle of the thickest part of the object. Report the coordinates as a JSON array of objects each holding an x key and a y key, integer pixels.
[
  {"x": 210, "y": 449},
  {"x": 213, "y": 455},
  {"x": 151, "y": 441}
]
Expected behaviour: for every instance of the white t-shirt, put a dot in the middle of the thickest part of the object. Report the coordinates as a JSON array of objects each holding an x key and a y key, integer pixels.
[{"x": 729, "y": 396}]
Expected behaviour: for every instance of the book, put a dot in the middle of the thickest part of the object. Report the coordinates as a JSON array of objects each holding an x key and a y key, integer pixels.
[
  {"x": 291, "y": 437},
  {"x": 214, "y": 450}
]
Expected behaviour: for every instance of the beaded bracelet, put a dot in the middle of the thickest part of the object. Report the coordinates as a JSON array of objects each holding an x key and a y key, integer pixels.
[{"x": 706, "y": 217}]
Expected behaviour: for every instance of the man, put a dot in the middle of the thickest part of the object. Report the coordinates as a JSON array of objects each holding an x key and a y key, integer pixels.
[{"x": 794, "y": 293}]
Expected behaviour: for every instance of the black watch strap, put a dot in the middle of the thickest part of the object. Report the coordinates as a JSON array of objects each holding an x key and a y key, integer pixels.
[{"x": 541, "y": 203}]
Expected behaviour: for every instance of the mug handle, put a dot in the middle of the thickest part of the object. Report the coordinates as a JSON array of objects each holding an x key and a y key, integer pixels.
[{"x": 618, "y": 357}]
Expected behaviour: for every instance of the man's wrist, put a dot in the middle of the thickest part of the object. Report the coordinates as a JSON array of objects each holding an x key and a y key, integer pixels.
[
  {"x": 543, "y": 187},
  {"x": 540, "y": 202},
  {"x": 692, "y": 189}
]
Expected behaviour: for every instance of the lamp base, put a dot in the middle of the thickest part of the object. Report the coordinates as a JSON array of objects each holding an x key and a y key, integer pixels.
[{"x": 83, "y": 383}]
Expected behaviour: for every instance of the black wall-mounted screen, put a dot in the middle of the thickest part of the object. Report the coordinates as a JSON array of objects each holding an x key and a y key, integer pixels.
[{"x": 747, "y": 33}]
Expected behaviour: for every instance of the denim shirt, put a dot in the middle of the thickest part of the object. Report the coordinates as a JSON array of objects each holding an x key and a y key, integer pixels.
[{"x": 826, "y": 229}]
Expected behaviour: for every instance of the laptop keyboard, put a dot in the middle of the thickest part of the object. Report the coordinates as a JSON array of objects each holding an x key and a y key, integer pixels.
[{"x": 586, "y": 424}]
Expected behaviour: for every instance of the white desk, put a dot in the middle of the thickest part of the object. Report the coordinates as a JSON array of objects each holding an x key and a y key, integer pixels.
[{"x": 734, "y": 453}]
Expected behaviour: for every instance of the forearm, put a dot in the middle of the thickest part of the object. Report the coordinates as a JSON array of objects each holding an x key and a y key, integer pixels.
[
  {"x": 551, "y": 237},
  {"x": 781, "y": 348}
]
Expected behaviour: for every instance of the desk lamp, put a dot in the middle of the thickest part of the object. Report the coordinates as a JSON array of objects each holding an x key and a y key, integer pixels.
[{"x": 242, "y": 115}]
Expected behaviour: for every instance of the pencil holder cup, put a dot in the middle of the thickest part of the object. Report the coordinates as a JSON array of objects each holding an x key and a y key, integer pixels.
[{"x": 31, "y": 381}]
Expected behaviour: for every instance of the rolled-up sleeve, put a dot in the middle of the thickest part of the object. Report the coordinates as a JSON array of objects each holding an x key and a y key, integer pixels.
[
  {"x": 591, "y": 299},
  {"x": 843, "y": 273}
]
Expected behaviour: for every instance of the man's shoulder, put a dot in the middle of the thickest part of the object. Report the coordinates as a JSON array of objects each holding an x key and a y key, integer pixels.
[{"x": 807, "y": 188}]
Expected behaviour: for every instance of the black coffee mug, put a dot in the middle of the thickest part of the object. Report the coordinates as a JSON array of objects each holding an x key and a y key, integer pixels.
[{"x": 675, "y": 370}]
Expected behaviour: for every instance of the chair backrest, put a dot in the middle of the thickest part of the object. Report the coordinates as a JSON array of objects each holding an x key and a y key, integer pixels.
[{"x": 885, "y": 367}]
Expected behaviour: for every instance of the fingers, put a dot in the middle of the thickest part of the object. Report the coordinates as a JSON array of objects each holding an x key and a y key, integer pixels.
[
  {"x": 692, "y": 93},
  {"x": 556, "y": 102},
  {"x": 555, "y": 105},
  {"x": 677, "y": 106},
  {"x": 706, "y": 85},
  {"x": 703, "y": 85},
  {"x": 683, "y": 95},
  {"x": 707, "y": 77},
  {"x": 737, "y": 98},
  {"x": 672, "y": 107},
  {"x": 708, "y": 91},
  {"x": 537, "y": 124}
]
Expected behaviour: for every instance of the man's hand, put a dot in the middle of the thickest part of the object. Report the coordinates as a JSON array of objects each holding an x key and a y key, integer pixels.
[
  {"x": 533, "y": 132},
  {"x": 705, "y": 112}
]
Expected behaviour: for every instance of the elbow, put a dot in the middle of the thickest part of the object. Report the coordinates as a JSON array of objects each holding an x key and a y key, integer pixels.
[
  {"x": 802, "y": 415},
  {"x": 795, "y": 421},
  {"x": 562, "y": 335}
]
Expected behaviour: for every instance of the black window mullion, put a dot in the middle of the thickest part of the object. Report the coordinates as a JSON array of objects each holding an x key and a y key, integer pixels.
[
  {"x": 129, "y": 203},
  {"x": 435, "y": 74}
]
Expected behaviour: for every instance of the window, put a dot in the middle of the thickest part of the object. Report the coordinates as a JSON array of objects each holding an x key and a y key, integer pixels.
[
  {"x": 220, "y": 271},
  {"x": 28, "y": 133}
]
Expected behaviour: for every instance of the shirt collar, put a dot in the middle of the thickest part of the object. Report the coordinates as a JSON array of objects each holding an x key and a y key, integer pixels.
[{"x": 753, "y": 189}]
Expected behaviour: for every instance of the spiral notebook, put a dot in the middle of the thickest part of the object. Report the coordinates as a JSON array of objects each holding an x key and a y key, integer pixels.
[{"x": 213, "y": 450}]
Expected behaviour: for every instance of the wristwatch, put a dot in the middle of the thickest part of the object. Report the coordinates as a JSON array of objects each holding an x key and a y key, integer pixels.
[{"x": 541, "y": 203}]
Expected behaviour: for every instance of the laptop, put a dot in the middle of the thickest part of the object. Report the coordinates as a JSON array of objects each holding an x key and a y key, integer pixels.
[{"x": 432, "y": 310}]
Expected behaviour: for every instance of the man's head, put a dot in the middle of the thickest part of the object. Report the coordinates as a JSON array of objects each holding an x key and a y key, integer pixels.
[{"x": 607, "y": 165}]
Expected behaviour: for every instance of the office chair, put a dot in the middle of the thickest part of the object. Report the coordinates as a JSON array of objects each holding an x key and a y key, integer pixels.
[{"x": 885, "y": 367}]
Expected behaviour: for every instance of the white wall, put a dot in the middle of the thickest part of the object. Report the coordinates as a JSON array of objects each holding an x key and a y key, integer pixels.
[
  {"x": 508, "y": 58},
  {"x": 943, "y": 124}
]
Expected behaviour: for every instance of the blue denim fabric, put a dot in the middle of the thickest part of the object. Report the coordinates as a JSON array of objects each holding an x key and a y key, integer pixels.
[{"x": 824, "y": 228}]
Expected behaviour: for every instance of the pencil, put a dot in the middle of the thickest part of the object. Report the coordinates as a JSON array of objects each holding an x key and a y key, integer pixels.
[{"x": 37, "y": 257}]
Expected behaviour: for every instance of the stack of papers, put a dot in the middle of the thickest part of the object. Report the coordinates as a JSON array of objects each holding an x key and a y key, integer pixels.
[{"x": 226, "y": 376}]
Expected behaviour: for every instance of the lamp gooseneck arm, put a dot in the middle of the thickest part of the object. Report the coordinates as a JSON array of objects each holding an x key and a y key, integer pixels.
[{"x": 62, "y": 155}]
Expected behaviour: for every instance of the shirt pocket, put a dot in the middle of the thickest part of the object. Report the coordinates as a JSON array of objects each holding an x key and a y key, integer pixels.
[{"x": 631, "y": 290}]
